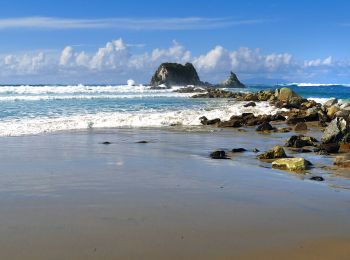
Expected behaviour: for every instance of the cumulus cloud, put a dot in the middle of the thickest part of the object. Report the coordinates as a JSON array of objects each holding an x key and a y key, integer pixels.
[{"x": 116, "y": 62}]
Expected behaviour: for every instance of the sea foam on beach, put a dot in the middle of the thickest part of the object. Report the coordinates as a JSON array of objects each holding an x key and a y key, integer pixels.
[{"x": 39, "y": 109}]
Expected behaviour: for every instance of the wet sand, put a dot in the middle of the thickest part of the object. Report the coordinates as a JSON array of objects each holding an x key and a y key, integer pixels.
[{"x": 67, "y": 196}]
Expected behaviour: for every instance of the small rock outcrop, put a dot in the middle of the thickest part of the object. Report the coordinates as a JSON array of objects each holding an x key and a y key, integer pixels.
[
  {"x": 291, "y": 164},
  {"x": 337, "y": 131},
  {"x": 218, "y": 154},
  {"x": 275, "y": 153},
  {"x": 231, "y": 82},
  {"x": 170, "y": 74},
  {"x": 299, "y": 141}
]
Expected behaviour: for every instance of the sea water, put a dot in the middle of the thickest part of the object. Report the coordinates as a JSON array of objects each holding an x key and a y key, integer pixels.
[{"x": 29, "y": 109}]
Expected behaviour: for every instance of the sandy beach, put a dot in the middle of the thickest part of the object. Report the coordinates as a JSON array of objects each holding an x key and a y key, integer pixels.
[{"x": 68, "y": 196}]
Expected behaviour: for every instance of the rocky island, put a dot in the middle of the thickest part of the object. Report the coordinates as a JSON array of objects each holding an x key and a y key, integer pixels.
[{"x": 175, "y": 74}]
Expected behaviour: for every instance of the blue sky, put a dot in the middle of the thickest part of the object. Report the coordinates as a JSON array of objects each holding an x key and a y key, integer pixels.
[{"x": 263, "y": 41}]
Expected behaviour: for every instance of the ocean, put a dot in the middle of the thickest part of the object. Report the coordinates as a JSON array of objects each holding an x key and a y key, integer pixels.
[{"x": 27, "y": 109}]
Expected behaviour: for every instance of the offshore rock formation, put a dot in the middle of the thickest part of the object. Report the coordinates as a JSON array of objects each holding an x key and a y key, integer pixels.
[
  {"x": 171, "y": 74},
  {"x": 232, "y": 82}
]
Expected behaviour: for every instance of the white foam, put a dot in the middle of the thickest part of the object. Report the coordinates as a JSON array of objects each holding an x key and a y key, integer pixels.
[
  {"x": 146, "y": 118},
  {"x": 77, "y": 89},
  {"x": 305, "y": 84},
  {"x": 80, "y": 97}
]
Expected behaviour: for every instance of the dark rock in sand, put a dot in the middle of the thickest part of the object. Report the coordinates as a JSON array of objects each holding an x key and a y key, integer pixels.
[
  {"x": 142, "y": 142},
  {"x": 299, "y": 141},
  {"x": 171, "y": 74},
  {"x": 343, "y": 161},
  {"x": 336, "y": 131},
  {"x": 106, "y": 143},
  {"x": 294, "y": 119},
  {"x": 275, "y": 153},
  {"x": 302, "y": 126},
  {"x": 231, "y": 82},
  {"x": 250, "y": 104},
  {"x": 230, "y": 123},
  {"x": 255, "y": 150},
  {"x": 238, "y": 150},
  {"x": 317, "y": 178},
  {"x": 301, "y": 150},
  {"x": 219, "y": 154},
  {"x": 206, "y": 121},
  {"x": 265, "y": 127},
  {"x": 330, "y": 147}
]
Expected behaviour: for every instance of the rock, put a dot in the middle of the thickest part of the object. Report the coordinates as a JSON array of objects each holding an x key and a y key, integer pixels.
[
  {"x": 255, "y": 150},
  {"x": 190, "y": 90},
  {"x": 106, "y": 143},
  {"x": 264, "y": 127},
  {"x": 289, "y": 97},
  {"x": 142, "y": 142},
  {"x": 219, "y": 154},
  {"x": 301, "y": 150},
  {"x": 330, "y": 147},
  {"x": 171, "y": 74},
  {"x": 206, "y": 121},
  {"x": 343, "y": 113},
  {"x": 216, "y": 93},
  {"x": 238, "y": 150},
  {"x": 308, "y": 104},
  {"x": 231, "y": 82},
  {"x": 291, "y": 164},
  {"x": 299, "y": 141},
  {"x": 250, "y": 104},
  {"x": 331, "y": 111},
  {"x": 294, "y": 119},
  {"x": 317, "y": 178},
  {"x": 331, "y": 102},
  {"x": 342, "y": 161},
  {"x": 274, "y": 153},
  {"x": 301, "y": 126},
  {"x": 336, "y": 131},
  {"x": 230, "y": 123},
  {"x": 344, "y": 147}
]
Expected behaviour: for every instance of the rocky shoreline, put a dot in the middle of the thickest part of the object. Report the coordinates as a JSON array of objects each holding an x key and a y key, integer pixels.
[{"x": 332, "y": 118}]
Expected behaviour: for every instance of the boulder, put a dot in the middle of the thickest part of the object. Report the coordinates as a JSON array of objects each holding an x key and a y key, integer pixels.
[
  {"x": 250, "y": 104},
  {"x": 330, "y": 147},
  {"x": 264, "y": 127},
  {"x": 336, "y": 131},
  {"x": 291, "y": 164},
  {"x": 230, "y": 123},
  {"x": 317, "y": 178},
  {"x": 171, "y": 74},
  {"x": 342, "y": 161},
  {"x": 301, "y": 126},
  {"x": 331, "y": 111},
  {"x": 299, "y": 141},
  {"x": 206, "y": 121},
  {"x": 219, "y": 154},
  {"x": 331, "y": 102},
  {"x": 288, "y": 96},
  {"x": 232, "y": 82},
  {"x": 275, "y": 153},
  {"x": 238, "y": 150}
]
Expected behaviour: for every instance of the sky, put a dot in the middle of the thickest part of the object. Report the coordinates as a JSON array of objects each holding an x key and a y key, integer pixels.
[{"x": 109, "y": 42}]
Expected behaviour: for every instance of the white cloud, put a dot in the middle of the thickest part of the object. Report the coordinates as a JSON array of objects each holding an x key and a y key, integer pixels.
[
  {"x": 116, "y": 62},
  {"x": 132, "y": 23},
  {"x": 318, "y": 62}
]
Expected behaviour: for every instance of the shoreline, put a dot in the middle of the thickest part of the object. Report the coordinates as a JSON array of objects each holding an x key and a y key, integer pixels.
[{"x": 73, "y": 197}]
